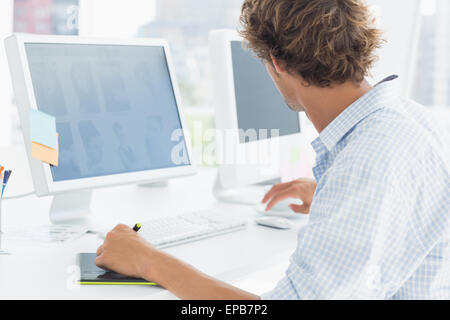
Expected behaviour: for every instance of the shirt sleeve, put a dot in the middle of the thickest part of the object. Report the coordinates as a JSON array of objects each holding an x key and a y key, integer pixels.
[
  {"x": 360, "y": 242},
  {"x": 283, "y": 291}
]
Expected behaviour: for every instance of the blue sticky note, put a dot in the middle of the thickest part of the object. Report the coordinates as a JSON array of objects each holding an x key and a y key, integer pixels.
[{"x": 43, "y": 128}]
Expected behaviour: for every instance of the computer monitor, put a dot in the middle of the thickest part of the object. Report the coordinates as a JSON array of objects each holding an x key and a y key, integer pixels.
[
  {"x": 259, "y": 133},
  {"x": 117, "y": 112}
]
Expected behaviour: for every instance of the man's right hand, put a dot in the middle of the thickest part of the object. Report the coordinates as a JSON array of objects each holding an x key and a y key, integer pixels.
[{"x": 302, "y": 189}]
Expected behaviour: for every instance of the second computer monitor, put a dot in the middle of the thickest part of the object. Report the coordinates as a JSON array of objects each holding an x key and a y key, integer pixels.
[
  {"x": 251, "y": 114},
  {"x": 259, "y": 104}
]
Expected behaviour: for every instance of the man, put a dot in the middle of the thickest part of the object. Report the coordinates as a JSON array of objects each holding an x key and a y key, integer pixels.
[{"x": 380, "y": 211}]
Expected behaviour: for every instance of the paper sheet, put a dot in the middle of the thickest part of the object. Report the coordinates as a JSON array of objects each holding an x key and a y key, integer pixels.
[
  {"x": 45, "y": 234},
  {"x": 43, "y": 128},
  {"x": 46, "y": 154}
]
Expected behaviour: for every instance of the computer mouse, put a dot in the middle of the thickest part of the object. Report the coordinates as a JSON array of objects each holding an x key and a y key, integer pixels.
[
  {"x": 281, "y": 209},
  {"x": 273, "y": 222}
]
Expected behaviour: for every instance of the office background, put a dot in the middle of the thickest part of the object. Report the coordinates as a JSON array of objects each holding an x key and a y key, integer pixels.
[{"x": 186, "y": 24}]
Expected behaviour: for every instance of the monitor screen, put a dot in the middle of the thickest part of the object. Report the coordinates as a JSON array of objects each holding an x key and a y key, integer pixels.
[
  {"x": 259, "y": 104},
  {"x": 114, "y": 105}
]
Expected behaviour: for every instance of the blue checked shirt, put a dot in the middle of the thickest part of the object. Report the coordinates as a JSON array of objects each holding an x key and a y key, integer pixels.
[{"x": 380, "y": 220}]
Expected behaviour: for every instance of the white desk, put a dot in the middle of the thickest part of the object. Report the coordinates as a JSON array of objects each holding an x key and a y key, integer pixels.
[{"x": 253, "y": 259}]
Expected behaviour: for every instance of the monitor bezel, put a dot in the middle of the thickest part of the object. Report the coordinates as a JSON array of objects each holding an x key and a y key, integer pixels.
[{"x": 18, "y": 62}]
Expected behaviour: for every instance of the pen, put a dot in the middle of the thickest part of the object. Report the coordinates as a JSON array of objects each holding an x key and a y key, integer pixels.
[
  {"x": 5, "y": 180},
  {"x": 7, "y": 175},
  {"x": 137, "y": 227}
]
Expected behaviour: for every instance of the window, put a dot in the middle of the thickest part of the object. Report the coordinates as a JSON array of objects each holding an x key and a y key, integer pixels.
[
  {"x": 46, "y": 16},
  {"x": 186, "y": 23},
  {"x": 432, "y": 85}
]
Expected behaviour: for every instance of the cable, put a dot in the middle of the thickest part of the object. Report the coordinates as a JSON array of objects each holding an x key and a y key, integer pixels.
[{"x": 19, "y": 196}]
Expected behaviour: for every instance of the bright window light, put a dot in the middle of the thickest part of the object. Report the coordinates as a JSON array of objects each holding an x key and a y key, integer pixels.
[
  {"x": 115, "y": 18},
  {"x": 428, "y": 7}
]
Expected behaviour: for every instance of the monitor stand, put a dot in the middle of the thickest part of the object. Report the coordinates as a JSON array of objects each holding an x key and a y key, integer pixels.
[
  {"x": 251, "y": 195},
  {"x": 71, "y": 208}
]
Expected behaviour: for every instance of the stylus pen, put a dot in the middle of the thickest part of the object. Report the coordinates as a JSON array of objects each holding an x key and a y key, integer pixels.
[{"x": 137, "y": 227}]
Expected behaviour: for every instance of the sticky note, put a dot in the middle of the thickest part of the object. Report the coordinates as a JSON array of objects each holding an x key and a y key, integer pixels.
[
  {"x": 43, "y": 128},
  {"x": 46, "y": 154}
]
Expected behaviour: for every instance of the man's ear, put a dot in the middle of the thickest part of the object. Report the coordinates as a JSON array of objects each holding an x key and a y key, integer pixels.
[{"x": 279, "y": 66}]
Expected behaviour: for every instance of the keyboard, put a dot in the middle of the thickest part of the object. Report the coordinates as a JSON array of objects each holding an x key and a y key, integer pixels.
[{"x": 175, "y": 230}]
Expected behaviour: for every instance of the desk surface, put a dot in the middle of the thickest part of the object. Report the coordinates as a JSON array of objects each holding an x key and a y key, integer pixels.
[{"x": 253, "y": 259}]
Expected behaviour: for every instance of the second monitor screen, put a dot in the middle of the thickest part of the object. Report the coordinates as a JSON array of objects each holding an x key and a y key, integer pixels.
[
  {"x": 114, "y": 105},
  {"x": 259, "y": 104}
]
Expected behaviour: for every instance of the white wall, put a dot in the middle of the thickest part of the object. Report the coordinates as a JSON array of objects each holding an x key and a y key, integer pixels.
[
  {"x": 400, "y": 22},
  {"x": 6, "y": 26}
]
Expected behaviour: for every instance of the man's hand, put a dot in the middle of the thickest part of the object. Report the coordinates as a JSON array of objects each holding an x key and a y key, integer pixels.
[
  {"x": 125, "y": 252},
  {"x": 302, "y": 189}
]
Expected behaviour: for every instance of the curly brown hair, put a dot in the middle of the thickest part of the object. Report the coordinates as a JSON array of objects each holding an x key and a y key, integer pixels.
[{"x": 324, "y": 41}]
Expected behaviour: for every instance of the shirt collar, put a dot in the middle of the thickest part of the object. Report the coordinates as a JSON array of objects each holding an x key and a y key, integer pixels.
[{"x": 376, "y": 99}]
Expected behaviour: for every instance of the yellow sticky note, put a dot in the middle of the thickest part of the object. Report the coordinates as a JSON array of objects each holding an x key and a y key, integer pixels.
[{"x": 46, "y": 154}]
